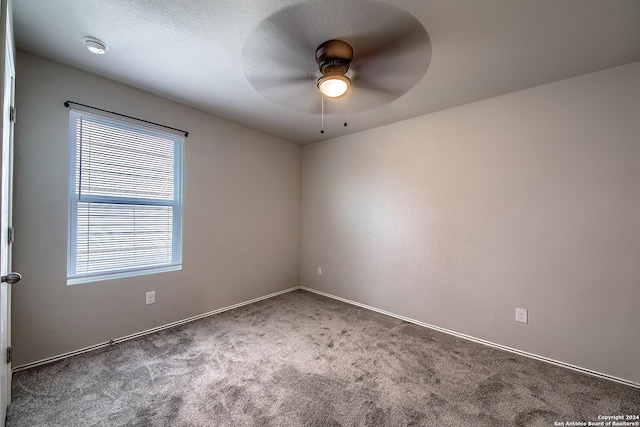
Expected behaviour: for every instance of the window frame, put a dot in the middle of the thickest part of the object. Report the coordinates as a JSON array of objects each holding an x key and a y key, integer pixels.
[{"x": 74, "y": 198}]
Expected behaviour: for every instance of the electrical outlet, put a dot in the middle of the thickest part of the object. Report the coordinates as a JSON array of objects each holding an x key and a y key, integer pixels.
[
  {"x": 319, "y": 271},
  {"x": 522, "y": 315},
  {"x": 151, "y": 297}
]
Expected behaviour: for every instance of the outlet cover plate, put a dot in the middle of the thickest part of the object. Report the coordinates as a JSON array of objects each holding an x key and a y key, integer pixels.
[
  {"x": 151, "y": 297},
  {"x": 522, "y": 315}
]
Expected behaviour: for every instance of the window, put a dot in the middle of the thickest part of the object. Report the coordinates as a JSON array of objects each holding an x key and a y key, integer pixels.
[{"x": 125, "y": 198}]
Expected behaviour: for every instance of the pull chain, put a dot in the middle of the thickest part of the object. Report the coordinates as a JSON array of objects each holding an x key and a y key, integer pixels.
[
  {"x": 345, "y": 111},
  {"x": 322, "y": 115}
]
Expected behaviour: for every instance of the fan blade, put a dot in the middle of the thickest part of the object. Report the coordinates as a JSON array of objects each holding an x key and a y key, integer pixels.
[
  {"x": 365, "y": 93},
  {"x": 392, "y": 62},
  {"x": 365, "y": 84},
  {"x": 281, "y": 44},
  {"x": 395, "y": 42},
  {"x": 295, "y": 35},
  {"x": 301, "y": 96},
  {"x": 400, "y": 52},
  {"x": 278, "y": 61},
  {"x": 265, "y": 82}
]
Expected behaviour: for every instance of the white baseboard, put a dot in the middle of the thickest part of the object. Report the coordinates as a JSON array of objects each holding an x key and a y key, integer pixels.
[
  {"x": 148, "y": 331},
  {"x": 368, "y": 307},
  {"x": 480, "y": 341}
]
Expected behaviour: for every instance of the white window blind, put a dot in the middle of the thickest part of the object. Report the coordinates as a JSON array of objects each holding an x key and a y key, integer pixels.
[{"x": 125, "y": 193}]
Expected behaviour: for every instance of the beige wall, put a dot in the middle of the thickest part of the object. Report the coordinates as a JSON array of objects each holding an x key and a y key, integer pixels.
[
  {"x": 456, "y": 218},
  {"x": 241, "y": 217}
]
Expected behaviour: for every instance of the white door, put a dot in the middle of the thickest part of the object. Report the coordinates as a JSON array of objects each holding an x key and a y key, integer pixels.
[{"x": 6, "y": 181}]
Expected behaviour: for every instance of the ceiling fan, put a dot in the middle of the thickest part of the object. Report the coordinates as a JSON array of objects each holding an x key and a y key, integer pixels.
[
  {"x": 333, "y": 58},
  {"x": 370, "y": 52}
]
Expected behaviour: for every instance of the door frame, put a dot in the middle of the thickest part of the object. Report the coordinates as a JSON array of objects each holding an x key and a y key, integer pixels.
[{"x": 7, "y": 71}]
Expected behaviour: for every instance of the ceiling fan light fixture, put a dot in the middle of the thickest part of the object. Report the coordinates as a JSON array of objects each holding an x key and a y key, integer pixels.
[
  {"x": 334, "y": 85},
  {"x": 95, "y": 46}
]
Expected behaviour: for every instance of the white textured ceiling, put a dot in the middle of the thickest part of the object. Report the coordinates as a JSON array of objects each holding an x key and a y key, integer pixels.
[{"x": 198, "y": 51}]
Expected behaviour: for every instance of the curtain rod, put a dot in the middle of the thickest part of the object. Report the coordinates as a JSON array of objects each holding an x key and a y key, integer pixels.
[{"x": 66, "y": 104}]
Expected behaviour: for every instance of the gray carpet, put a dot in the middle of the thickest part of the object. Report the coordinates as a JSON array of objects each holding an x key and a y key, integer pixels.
[{"x": 300, "y": 359}]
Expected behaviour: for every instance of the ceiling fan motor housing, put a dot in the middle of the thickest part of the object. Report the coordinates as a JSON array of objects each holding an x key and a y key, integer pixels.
[{"x": 334, "y": 57}]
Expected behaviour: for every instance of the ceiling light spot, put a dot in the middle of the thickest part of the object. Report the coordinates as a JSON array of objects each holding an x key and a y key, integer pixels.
[
  {"x": 334, "y": 86},
  {"x": 95, "y": 46}
]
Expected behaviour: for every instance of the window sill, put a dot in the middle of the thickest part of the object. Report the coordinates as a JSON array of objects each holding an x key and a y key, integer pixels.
[{"x": 121, "y": 275}]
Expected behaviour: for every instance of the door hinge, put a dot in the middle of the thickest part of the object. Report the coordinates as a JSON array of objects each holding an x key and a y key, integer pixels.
[
  {"x": 11, "y": 235},
  {"x": 12, "y": 114},
  {"x": 9, "y": 354}
]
